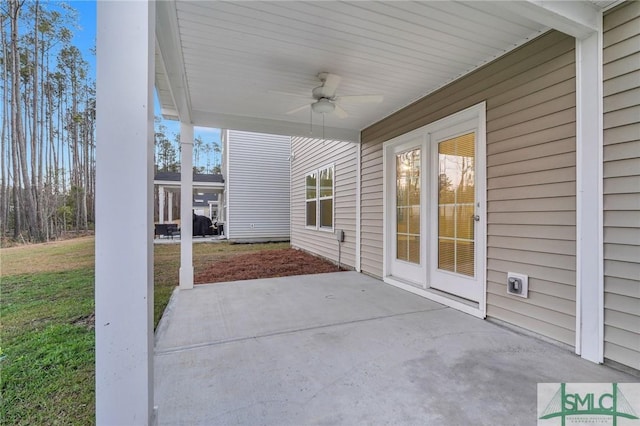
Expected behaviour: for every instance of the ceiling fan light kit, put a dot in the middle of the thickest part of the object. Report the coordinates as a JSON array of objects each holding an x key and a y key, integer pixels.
[{"x": 323, "y": 106}]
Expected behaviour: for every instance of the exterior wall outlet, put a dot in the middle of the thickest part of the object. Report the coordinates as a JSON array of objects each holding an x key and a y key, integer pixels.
[
  {"x": 340, "y": 235},
  {"x": 518, "y": 284}
]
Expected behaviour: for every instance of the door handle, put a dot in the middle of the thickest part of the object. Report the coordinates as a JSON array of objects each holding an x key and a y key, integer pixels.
[{"x": 476, "y": 217}]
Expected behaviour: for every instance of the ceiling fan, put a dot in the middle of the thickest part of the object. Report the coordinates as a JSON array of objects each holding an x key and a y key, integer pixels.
[{"x": 324, "y": 99}]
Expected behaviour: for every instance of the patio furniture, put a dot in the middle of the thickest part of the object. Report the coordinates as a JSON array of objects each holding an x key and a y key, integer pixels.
[{"x": 166, "y": 230}]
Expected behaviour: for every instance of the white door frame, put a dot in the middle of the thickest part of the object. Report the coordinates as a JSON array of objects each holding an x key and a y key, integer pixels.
[{"x": 476, "y": 112}]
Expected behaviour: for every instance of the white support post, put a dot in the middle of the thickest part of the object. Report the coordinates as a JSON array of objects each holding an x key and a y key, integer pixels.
[
  {"x": 170, "y": 219},
  {"x": 186, "y": 205},
  {"x": 124, "y": 213},
  {"x": 161, "y": 204},
  {"x": 589, "y": 203},
  {"x": 357, "y": 265}
]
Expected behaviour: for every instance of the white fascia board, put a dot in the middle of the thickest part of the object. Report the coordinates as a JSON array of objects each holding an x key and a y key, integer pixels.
[
  {"x": 170, "y": 52},
  {"x": 576, "y": 18},
  {"x": 277, "y": 127}
]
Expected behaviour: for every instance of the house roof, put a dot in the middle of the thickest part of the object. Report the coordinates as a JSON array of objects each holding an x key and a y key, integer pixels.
[
  {"x": 197, "y": 177},
  {"x": 260, "y": 60}
]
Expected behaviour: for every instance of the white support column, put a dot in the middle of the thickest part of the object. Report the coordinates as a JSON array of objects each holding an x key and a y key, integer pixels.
[
  {"x": 186, "y": 204},
  {"x": 589, "y": 203},
  {"x": 161, "y": 204},
  {"x": 170, "y": 219},
  {"x": 124, "y": 207},
  {"x": 357, "y": 265}
]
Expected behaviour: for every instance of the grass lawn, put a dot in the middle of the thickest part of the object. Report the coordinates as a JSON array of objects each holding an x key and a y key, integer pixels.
[{"x": 47, "y": 337}]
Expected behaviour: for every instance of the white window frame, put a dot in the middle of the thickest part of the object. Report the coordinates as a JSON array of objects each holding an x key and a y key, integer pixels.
[
  {"x": 307, "y": 200},
  {"x": 318, "y": 198}
]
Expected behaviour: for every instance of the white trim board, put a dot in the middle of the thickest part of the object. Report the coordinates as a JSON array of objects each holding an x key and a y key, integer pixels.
[
  {"x": 589, "y": 198},
  {"x": 358, "y": 206},
  {"x": 452, "y": 303}
]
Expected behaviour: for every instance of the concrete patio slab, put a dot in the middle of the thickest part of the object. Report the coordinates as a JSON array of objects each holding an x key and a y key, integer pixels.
[{"x": 346, "y": 349}]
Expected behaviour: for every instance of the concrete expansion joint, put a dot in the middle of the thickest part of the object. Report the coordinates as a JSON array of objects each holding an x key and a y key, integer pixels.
[{"x": 185, "y": 348}]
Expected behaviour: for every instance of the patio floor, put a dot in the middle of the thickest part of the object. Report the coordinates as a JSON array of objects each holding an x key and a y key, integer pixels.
[{"x": 346, "y": 349}]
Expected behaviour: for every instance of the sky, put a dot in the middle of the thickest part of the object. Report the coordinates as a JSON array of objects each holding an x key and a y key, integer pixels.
[{"x": 84, "y": 39}]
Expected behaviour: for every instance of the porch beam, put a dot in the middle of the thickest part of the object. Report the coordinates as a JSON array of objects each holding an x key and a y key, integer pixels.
[
  {"x": 589, "y": 199},
  {"x": 124, "y": 207},
  {"x": 172, "y": 63},
  {"x": 277, "y": 127},
  {"x": 186, "y": 206},
  {"x": 576, "y": 18},
  {"x": 170, "y": 210}
]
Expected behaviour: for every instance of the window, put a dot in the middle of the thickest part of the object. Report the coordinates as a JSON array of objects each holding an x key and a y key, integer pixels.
[
  {"x": 311, "y": 198},
  {"x": 319, "y": 198}
]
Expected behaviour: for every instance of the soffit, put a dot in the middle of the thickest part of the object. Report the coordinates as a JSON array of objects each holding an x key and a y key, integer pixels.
[{"x": 237, "y": 56}]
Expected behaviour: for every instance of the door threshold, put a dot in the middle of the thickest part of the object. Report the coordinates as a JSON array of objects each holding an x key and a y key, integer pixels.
[{"x": 455, "y": 302}]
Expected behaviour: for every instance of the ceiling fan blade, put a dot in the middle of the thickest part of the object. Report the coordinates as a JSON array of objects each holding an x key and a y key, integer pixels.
[
  {"x": 361, "y": 99},
  {"x": 340, "y": 112},
  {"x": 291, "y": 94},
  {"x": 293, "y": 111},
  {"x": 330, "y": 85}
]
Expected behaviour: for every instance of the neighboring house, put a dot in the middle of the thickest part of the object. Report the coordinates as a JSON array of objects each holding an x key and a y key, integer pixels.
[
  {"x": 206, "y": 192},
  {"x": 206, "y": 204},
  {"x": 495, "y": 146},
  {"x": 256, "y": 172}
]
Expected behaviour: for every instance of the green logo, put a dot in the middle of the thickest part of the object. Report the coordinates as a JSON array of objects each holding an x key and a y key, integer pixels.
[{"x": 612, "y": 404}]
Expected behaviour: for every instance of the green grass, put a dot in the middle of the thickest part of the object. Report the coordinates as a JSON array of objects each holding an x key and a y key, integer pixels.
[
  {"x": 47, "y": 357},
  {"x": 48, "y": 347}
]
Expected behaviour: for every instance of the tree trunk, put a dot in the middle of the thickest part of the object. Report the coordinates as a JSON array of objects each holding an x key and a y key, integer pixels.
[
  {"x": 4, "y": 149},
  {"x": 35, "y": 140},
  {"x": 16, "y": 121}
]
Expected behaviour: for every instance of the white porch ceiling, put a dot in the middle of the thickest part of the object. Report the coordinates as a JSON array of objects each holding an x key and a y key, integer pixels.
[{"x": 218, "y": 63}]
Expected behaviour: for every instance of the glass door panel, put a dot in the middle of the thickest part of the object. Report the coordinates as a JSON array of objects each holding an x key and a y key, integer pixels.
[
  {"x": 405, "y": 247},
  {"x": 408, "y": 196},
  {"x": 456, "y": 205}
]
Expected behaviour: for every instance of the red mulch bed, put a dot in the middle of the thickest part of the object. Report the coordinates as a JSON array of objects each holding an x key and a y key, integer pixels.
[{"x": 264, "y": 264}]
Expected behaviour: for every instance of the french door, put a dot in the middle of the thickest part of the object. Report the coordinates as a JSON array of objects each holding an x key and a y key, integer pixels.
[
  {"x": 407, "y": 234},
  {"x": 434, "y": 214},
  {"x": 456, "y": 238}
]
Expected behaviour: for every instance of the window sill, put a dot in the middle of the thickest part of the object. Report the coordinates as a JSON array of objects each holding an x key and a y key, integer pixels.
[{"x": 320, "y": 229}]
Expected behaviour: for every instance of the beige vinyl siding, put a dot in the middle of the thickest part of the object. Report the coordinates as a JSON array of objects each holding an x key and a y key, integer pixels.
[
  {"x": 311, "y": 154},
  {"x": 531, "y": 172},
  {"x": 257, "y": 185},
  {"x": 622, "y": 184},
  {"x": 371, "y": 209}
]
